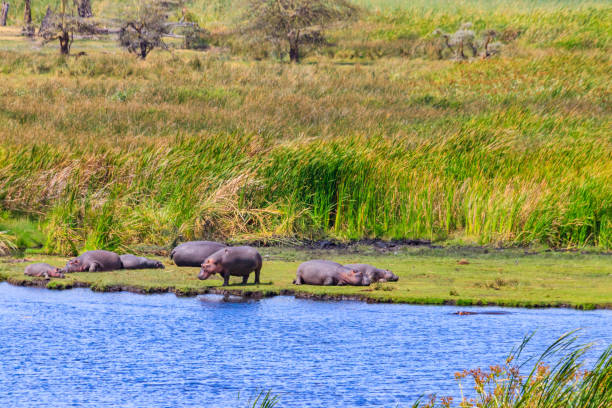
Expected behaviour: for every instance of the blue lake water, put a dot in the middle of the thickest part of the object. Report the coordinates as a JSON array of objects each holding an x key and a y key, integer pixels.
[{"x": 80, "y": 348}]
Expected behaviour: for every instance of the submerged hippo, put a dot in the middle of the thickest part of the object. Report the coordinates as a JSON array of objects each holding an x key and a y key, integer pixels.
[
  {"x": 94, "y": 261},
  {"x": 373, "y": 273},
  {"x": 130, "y": 261},
  {"x": 43, "y": 270},
  {"x": 194, "y": 253},
  {"x": 232, "y": 261},
  {"x": 319, "y": 272}
]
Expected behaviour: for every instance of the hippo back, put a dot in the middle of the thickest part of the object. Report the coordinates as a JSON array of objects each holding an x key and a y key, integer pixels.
[
  {"x": 42, "y": 269},
  {"x": 130, "y": 261},
  {"x": 194, "y": 253},
  {"x": 373, "y": 273},
  {"x": 102, "y": 260},
  {"x": 237, "y": 258},
  {"x": 317, "y": 272}
]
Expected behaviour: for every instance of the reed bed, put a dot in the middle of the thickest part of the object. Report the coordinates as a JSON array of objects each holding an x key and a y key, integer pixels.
[{"x": 104, "y": 151}]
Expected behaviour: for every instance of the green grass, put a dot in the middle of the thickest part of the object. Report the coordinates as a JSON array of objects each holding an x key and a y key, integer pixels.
[
  {"x": 371, "y": 137},
  {"x": 427, "y": 276}
]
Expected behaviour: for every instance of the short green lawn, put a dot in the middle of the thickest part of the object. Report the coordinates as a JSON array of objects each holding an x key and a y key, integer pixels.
[{"x": 432, "y": 276}]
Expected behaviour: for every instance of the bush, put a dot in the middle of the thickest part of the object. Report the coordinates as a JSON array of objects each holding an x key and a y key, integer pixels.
[{"x": 196, "y": 38}]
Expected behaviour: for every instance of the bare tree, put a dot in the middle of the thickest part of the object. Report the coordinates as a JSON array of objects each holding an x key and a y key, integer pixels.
[
  {"x": 83, "y": 8},
  {"x": 146, "y": 28},
  {"x": 294, "y": 22},
  {"x": 60, "y": 27},
  {"x": 64, "y": 26},
  {"x": 4, "y": 13}
]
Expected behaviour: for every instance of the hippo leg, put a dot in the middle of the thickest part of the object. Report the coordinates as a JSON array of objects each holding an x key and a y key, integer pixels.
[
  {"x": 257, "y": 272},
  {"x": 94, "y": 267},
  {"x": 329, "y": 281},
  {"x": 298, "y": 280},
  {"x": 226, "y": 277},
  {"x": 245, "y": 279}
]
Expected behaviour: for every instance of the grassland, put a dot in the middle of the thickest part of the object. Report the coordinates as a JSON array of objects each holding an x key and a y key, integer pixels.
[
  {"x": 427, "y": 276},
  {"x": 370, "y": 137}
]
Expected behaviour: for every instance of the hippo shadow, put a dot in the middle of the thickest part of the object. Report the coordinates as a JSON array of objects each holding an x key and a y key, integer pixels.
[{"x": 249, "y": 284}]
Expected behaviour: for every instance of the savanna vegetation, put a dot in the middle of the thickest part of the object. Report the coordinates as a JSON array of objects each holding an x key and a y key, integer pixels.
[{"x": 379, "y": 132}]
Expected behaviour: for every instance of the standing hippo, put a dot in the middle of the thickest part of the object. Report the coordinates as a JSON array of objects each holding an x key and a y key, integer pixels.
[
  {"x": 373, "y": 273},
  {"x": 130, "y": 261},
  {"x": 94, "y": 261},
  {"x": 319, "y": 272},
  {"x": 43, "y": 270},
  {"x": 194, "y": 253},
  {"x": 232, "y": 261}
]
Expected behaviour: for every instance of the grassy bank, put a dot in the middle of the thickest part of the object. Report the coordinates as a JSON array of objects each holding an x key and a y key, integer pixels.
[
  {"x": 369, "y": 137},
  {"x": 427, "y": 276}
]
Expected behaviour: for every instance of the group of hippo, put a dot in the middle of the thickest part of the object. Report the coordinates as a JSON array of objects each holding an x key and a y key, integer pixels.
[
  {"x": 93, "y": 261},
  {"x": 216, "y": 258}
]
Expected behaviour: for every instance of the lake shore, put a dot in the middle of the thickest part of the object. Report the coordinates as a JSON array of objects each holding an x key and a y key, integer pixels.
[{"x": 512, "y": 278}]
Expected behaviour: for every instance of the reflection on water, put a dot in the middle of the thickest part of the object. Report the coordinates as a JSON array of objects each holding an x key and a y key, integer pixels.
[{"x": 79, "y": 348}]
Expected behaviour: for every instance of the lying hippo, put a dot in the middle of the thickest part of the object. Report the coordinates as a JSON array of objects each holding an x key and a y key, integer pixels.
[
  {"x": 373, "y": 273},
  {"x": 94, "y": 261},
  {"x": 232, "y": 261},
  {"x": 194, "y": 253},
  {"x": 130, "y": 261},
  {"x": 328, "y": 273},
  {"x": 43, "y": 270}
]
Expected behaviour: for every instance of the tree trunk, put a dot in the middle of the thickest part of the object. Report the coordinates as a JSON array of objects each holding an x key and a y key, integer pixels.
[
  {"x": 27, "y": 13},
  {"x": 27, "y": 19},
  {"x": 4, "y": 13},
  {"x": 65, "y": 42},
  {"x": 83, "y": 8},
  {"x": 46, "y": 21},
  {"x": 294, "y": 47},
  {"x": 144, "y": 51}
]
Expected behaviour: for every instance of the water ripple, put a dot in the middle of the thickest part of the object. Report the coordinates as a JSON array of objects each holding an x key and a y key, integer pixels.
[{"x": 79, "y": 349}]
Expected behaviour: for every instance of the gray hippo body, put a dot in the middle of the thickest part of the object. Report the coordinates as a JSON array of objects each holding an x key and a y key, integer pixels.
[
  {"x": 373, "y": 273},
  {"x": 130, "y": 261},
  {"x": 43, "y": 270},
  {"x": 94, "y": 261},
  {"x": 319, "y": 272},
  {"x": 232, "y": 261},
  {"x": 194, "y": 253}
]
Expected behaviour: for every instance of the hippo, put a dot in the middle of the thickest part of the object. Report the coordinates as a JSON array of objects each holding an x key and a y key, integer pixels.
[
  {"x": 130, "y": 261},
  {"x": 94, "y": 261},
  {"x": 43, "y": 270},
  {"x": 194, "y": 253},
  {"x": 232, "y": 261},
  {"x": 373, "y": 273},
  {"x": 319, "y": 272}
]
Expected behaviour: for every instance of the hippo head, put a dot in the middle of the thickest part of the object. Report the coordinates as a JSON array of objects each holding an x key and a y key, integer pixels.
[
  {"x": 75, "y": 265},
  {"x": 354, "y": 277},
  {"x": 388, "y": 276},
  {"x": 209, "y": 267},
  {"x": 56, "y": 273}
]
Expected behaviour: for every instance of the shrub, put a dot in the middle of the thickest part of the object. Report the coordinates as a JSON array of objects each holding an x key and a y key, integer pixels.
[{"x": 145, "y": 29}]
